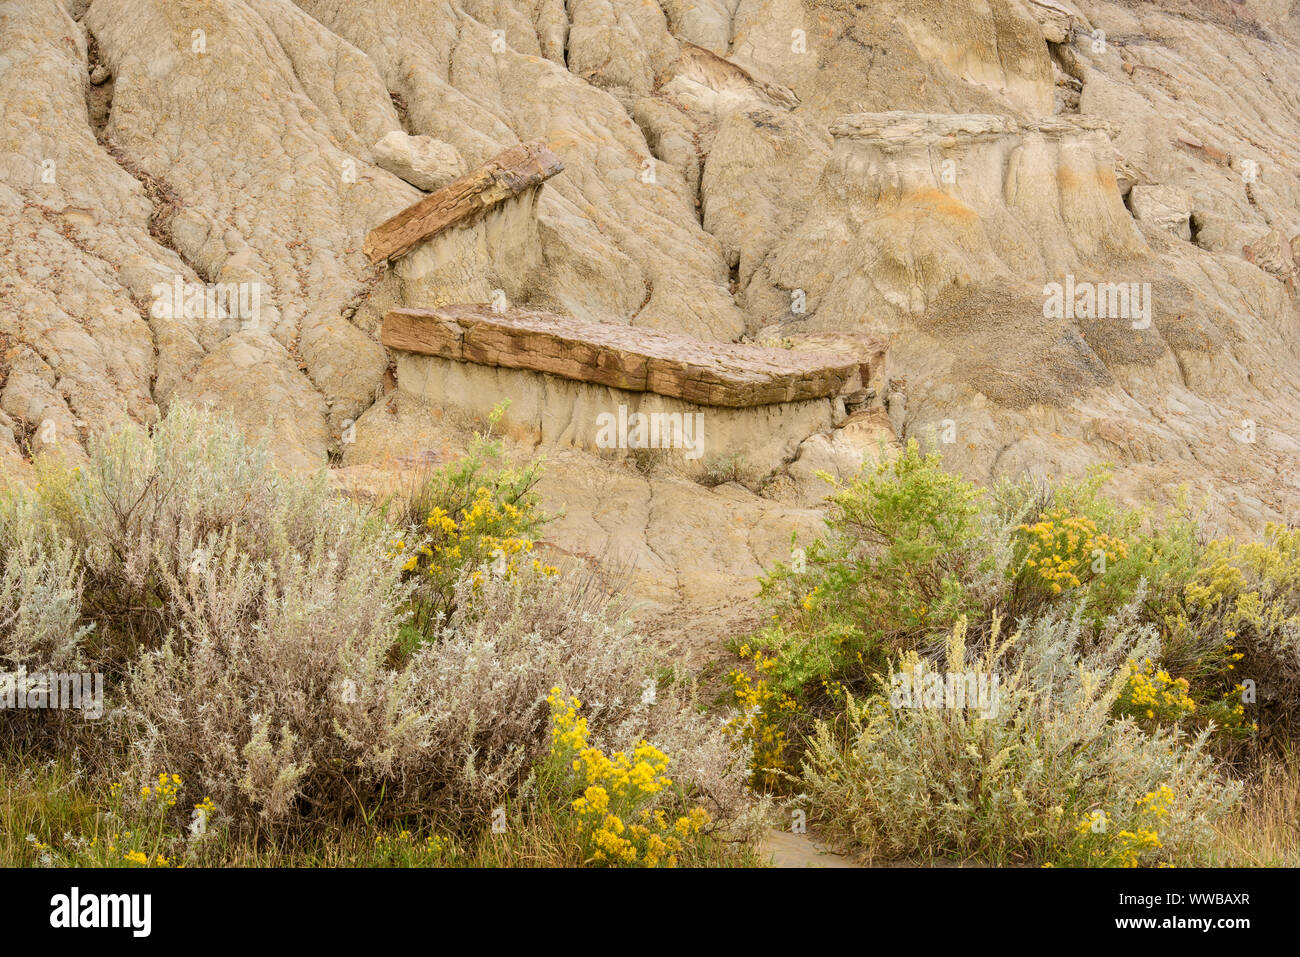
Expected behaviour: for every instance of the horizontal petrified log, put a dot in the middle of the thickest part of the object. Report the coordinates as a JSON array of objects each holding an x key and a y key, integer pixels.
[
  {"x": 461, "y": 201},
  {"x": 622, "y": 357}
]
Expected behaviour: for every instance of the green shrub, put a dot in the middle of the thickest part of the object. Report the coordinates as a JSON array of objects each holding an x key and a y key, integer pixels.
[
  {"x": 1086, "y": 548},
  {"x": 1074, "y": 543},
  {"x": 911, "y": 549},
  {"x": 903, "y": 558},
  {"x": 906, "y": 555}
]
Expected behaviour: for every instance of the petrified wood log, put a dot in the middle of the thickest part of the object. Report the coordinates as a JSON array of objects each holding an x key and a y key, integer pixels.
[
  {"x": 639, "y": 360},
  {"x": 505, "y": 176}
]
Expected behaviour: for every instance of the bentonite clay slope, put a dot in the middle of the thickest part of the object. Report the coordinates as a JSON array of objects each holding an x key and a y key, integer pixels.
[
  {"x": 920, "y": 170},
  {"x": 637, "y": 360}
]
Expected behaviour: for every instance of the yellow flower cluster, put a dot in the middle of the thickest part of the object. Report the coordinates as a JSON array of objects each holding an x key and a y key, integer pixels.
[
  {"x": 137, "y": 857},
  {"x": 1132, "y": 844},
  {"x": 1061, "y": 549},
  {"x": 1234, "y": 710},
  {"x": 1254, "y": 581},
  {"x": 404, "y": 850},
  {"x": 1126, "y": 848},
  {"x": 654, "y": 841},
  {"x": 763, "y": 714},
  {"x": 615, "y": 817},
  {"x": 41, "y": 850},
  {"x": 1252, "y": 585},
  {"x": 150, "y": 814},
  {"x": 638, "y": 776},
  {"x": 1152, "y": 694},
  {"x": 165, "y": 792},
  {"x": 568, "y": 729},
  {"x": 141, "y": 859},
  {"x": 488, "y": 532},
  {"x": 1218, "y": 579},
  {"x": 1090, "y": 822},
  {"x": 439, "y": 520},
  {"x": 206, "y": 808},
  {"x": 1157, "y": 802}
]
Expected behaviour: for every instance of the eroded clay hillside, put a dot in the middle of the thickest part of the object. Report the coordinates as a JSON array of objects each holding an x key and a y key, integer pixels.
[{"x": 1073, "y": 228}]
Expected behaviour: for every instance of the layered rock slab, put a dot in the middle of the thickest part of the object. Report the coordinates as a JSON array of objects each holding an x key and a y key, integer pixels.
[
  {"x": 707, "y": 373},
  {"x": 603, "y": 387}
]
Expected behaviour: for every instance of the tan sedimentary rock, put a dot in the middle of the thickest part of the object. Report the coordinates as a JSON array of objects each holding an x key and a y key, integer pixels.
[
  {"x": 547, "y": 411},
  {"x": 1165, "y": 208},
  {"x": 1275, "y": 254},
  {"x": 944, "y": 234},
  {"x": 865, "y": 438},
  {"x": 1058, "y": 20},
  {"x": 422, "y": 161},
  {"x": 708, "y": 81}
]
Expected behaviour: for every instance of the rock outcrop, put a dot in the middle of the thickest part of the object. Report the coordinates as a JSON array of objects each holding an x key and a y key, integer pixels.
[
  {"x": 1166, "y": 208},
  {"x": 660, "y": 362},
  {"x": 513, "y": 173},
  {"x": 422, "y": 161},
  {"x": 604, "y": 387}
]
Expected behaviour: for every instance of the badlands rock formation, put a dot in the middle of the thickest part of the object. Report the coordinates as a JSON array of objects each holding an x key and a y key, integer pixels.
[
  {"x": 599, "y": 386},
  {"x": 187, "y": 187}
]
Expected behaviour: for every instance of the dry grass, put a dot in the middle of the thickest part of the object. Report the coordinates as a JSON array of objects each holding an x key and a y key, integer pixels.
[{"x": 1264, "y": 831}]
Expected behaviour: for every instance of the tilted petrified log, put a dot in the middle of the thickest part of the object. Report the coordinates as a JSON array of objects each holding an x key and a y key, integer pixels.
[
  {"x": 622, "y": 357},
  {"x": 506, "y": 175}
]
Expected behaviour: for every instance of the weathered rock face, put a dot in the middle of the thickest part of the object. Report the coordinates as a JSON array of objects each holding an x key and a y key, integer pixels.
[
  {"x": 956, "y": 237},
  {"x": 1165, "y": 208},
  {"x": 691, "y": 553},
  {"x": 476, "y": 238},
  {"x": 186, "y": 188},
  {"x": 422, "y": 161},
  {"x": 547, "y": 411}
]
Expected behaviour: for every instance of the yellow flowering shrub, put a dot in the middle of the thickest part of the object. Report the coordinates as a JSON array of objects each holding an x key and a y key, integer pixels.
[
  {"x": 1256, "y": 584},
  {"x": 1245, "y": 599},
  {"x": 142, "y": 827},
  {"x": 620, "y": 813},
  {"x": 1134, "y": 842},
  {"x": 1063, "y": 551},
  {"x": 1150, "y": 694},
  {"x": 491, "y": 536},
  {"x": 477, "y": 516},
  {"x": 764, "y": 717}
]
